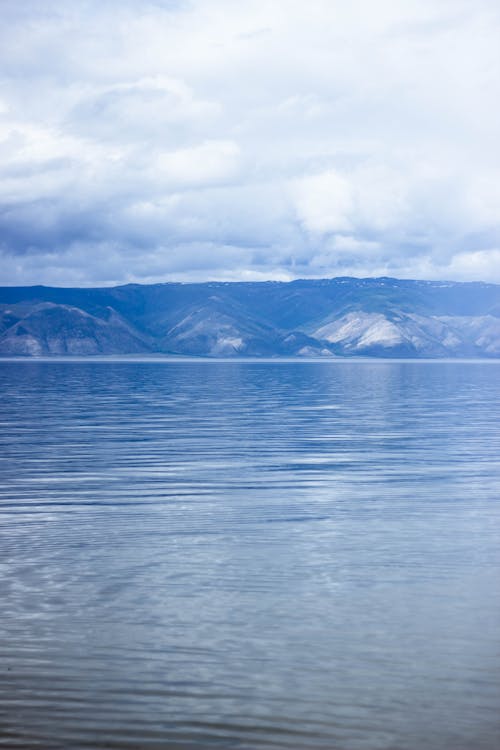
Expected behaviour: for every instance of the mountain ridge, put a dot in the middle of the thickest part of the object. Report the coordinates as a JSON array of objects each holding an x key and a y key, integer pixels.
[{"x": 341, "y": 316}]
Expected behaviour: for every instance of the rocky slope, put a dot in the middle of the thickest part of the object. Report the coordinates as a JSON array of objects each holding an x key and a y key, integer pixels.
[{"x": 344, "y": 316}]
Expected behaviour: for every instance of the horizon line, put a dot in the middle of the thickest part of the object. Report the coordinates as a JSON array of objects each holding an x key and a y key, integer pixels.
[{"x": 226, "y": 282}]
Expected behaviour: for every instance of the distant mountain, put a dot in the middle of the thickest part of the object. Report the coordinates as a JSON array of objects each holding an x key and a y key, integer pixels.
[{"x": 343, "y": 316}]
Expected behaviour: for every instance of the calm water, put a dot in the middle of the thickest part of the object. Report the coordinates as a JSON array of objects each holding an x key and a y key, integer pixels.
[{"x": 250, "y": 555}]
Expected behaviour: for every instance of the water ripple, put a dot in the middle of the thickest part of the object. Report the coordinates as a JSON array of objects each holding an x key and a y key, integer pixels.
[{"x": 249, "y": 555}]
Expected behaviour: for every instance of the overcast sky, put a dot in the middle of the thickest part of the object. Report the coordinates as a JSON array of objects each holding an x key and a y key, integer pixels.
[{"x": 267, "y": 139}]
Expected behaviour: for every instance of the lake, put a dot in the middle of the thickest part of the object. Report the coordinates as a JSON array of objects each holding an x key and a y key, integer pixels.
[{"x": 250, "y": 554}]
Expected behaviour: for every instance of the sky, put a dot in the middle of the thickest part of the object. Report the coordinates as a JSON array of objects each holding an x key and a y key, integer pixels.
[{"x": 161, "y": 140}]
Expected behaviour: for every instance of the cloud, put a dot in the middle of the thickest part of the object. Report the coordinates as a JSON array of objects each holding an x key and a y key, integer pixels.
[
  {"x": 324, "y": 202},
  {"x": 206, "y": 163},
  {"x": 213, "y": 139}
]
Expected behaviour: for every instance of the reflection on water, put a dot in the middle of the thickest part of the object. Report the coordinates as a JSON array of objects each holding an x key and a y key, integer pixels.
[{"x": 250, "y": 555}]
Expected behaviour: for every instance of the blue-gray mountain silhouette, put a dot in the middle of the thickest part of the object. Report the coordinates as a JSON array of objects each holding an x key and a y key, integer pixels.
[{"x": 327, "y": 317}]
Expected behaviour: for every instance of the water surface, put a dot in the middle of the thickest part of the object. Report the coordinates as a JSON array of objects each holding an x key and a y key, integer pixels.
[{"x": 250, "y": 555}]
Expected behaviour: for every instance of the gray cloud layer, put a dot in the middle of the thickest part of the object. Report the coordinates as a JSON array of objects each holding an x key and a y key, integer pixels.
[{"x": 147, "y": 141}]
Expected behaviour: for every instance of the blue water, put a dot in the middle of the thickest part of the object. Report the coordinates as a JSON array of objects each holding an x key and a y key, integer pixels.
[{"x": 250, "y": 555}]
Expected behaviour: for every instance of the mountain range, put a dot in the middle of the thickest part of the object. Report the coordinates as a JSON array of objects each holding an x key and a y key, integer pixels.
[{"x": 327, "y": 317}]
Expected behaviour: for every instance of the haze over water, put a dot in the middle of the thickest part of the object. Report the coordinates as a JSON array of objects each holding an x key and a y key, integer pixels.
[{"x": 250, "y": 555}]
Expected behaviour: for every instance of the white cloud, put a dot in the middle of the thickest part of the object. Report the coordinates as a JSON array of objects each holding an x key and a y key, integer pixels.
[
  {"x": 324, "y": 202},
  {"x": 479, "y": 265},
  {"x": 317, "y": 138},
  {"x": 208, "y": 163}
]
